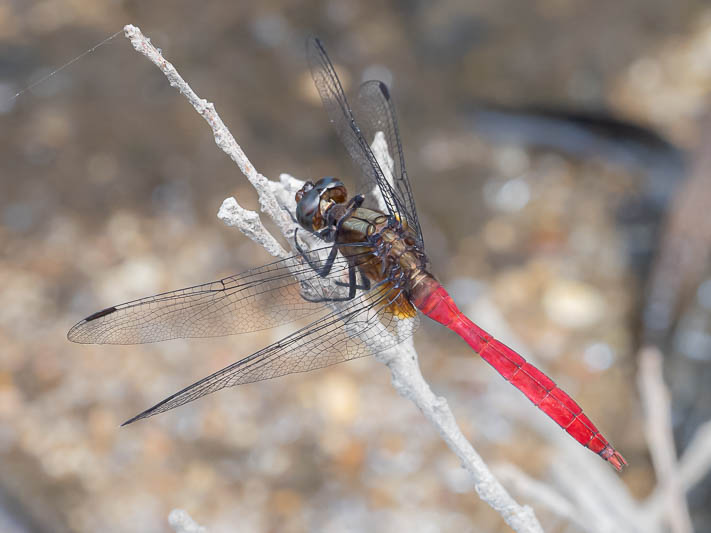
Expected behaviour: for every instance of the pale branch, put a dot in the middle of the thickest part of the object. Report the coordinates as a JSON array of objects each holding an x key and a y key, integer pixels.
[
  {"x": 249, "y": 223},
  {"x": 277, "y": 200},
  {"x": 223, "y": 137},
  {"x": 409, "y": 383},
  {"x": 601, "y": 500},
  {"x": 660, "y": 437},
  {"x": 182, "y": 522},
  {"x": 542, "y": 494},
  {"x": 382, "y": 154},
  {"x": 695, "y": 463}
]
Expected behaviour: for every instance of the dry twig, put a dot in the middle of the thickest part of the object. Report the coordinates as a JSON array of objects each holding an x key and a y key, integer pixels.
[{"x": 660, "y": 437}]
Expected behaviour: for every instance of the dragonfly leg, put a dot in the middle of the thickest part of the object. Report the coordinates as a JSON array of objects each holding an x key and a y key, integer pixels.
[
  {"x": 352, "y": 285},
  {"x": 352, "y": 281},
  {"x": 322, "y": 270},
  {"x": 329, "y": 234}
]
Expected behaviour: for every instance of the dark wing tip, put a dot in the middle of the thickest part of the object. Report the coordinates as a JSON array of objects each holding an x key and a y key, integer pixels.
[
  {"x": 384, "y": 89},
  {"x": 99, "y": 314},
  {"x": 131, "y": 420},
  {"x": 313, "y": 40},
  {"x": 139, "y": 416},
  {"x": 160, "y": 406},
  {"x": 75, "y": 334}
]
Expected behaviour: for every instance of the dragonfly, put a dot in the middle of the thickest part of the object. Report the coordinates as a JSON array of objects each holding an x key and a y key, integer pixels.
[{"x": 361, "y": 289}]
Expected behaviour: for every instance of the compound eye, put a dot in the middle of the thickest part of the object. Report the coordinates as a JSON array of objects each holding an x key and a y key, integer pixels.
[
  {"x": 306, "y": 187},
  {"x": 324, "y": 183},
  {"x": 307, "y": 208},
  {"x": 332, "y": 189}
]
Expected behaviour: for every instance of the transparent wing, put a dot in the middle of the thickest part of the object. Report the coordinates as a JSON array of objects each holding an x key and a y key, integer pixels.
[
  {"x": 343, "y": 120},
  {"x": 256, "y": 299},
  {"x": 359, "y": 327},
  {"x": 374, "y": 112}
]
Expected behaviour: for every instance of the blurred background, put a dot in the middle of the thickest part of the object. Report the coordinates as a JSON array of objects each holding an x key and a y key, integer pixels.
[{"x": 557, "y": 153}]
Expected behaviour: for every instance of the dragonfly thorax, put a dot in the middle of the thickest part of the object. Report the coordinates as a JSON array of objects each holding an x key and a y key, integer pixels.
[{"x": 313, "y": 202}]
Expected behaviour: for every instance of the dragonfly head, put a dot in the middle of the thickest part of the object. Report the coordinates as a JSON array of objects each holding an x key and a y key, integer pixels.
[{"x": 314, "y": 200}]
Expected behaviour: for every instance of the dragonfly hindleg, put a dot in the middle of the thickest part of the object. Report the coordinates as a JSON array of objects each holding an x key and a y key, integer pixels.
[{"x": 352, "y": 285}]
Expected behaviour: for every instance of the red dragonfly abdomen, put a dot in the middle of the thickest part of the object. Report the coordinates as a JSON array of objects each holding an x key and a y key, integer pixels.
[{"x": 434, "y": 301}]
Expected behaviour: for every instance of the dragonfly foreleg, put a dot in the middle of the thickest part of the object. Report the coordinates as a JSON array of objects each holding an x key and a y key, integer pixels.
[
  {"x": 324, "y": 269},
  {"x": 329, "y": 234}
]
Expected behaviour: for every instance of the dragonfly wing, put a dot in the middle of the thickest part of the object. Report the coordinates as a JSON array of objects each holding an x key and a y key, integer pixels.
[
  {"x": 374, "y": 112},
  {"x": 343, "y": 120},
  {"x": 360, "y": 327},
  {"x": 256, "y": 299}
]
